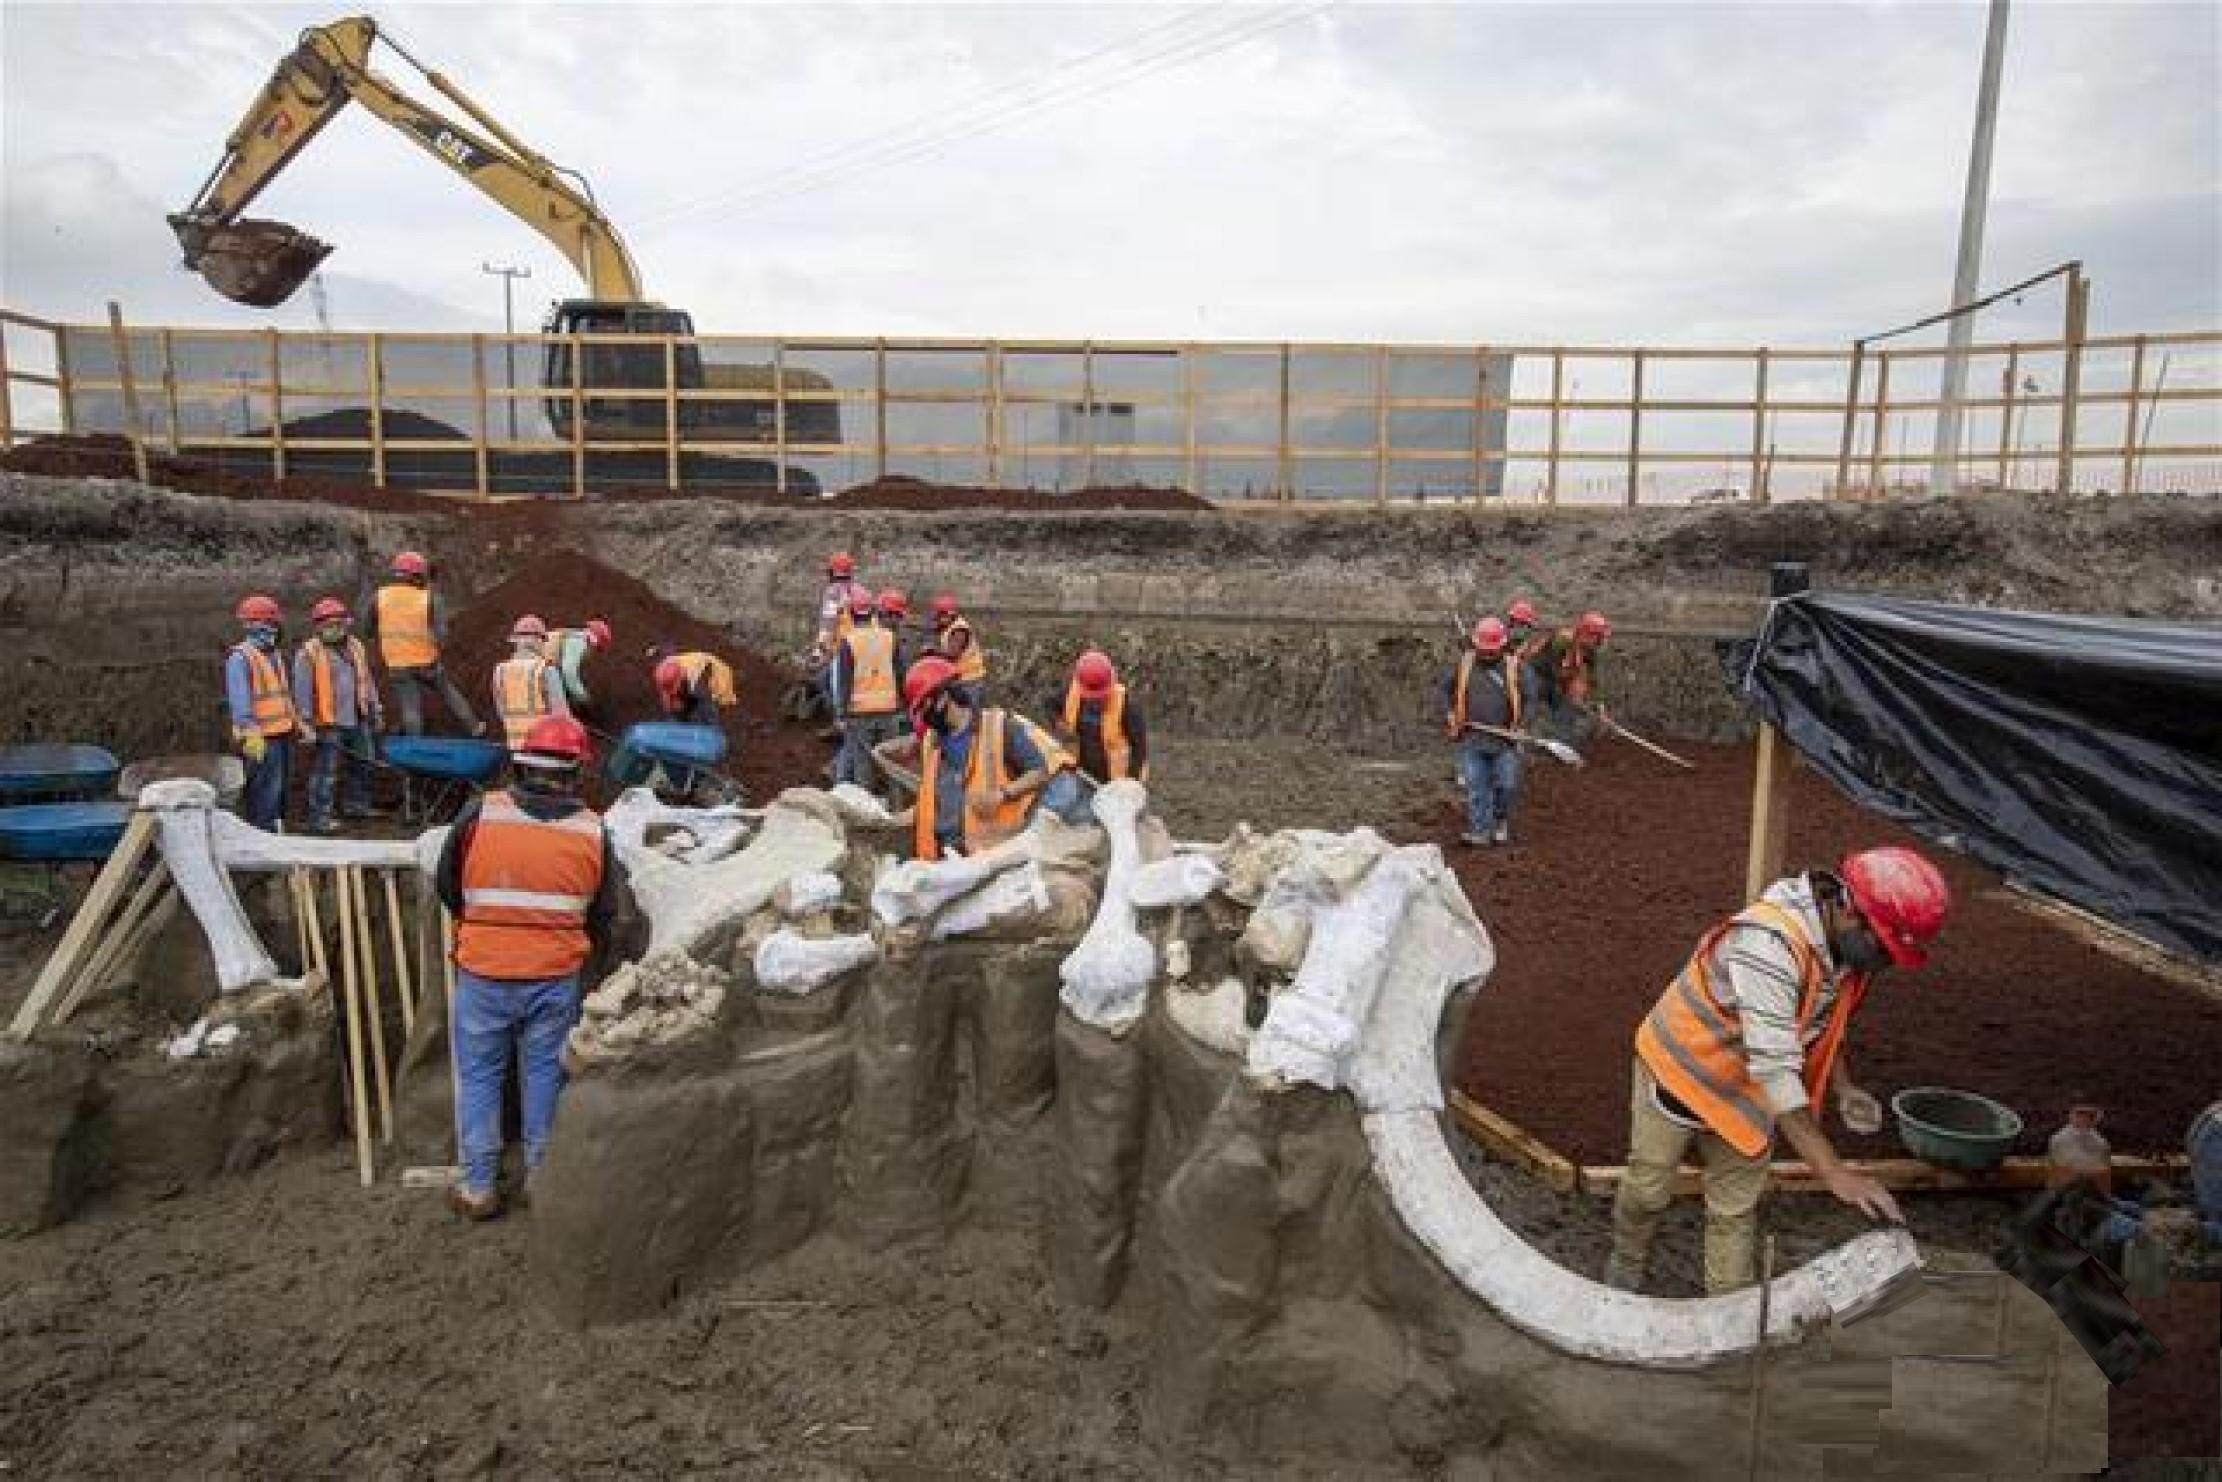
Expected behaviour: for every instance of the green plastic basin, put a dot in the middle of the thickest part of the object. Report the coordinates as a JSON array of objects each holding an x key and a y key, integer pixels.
[{"x": 1955, "y": 1129}]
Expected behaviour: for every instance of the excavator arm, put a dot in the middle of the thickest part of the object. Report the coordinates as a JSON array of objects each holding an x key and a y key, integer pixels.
[{"x": 262, "y": 263}]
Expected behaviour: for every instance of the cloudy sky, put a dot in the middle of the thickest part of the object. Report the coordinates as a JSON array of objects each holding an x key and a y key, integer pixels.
[{"x": 1678, "y": 173}]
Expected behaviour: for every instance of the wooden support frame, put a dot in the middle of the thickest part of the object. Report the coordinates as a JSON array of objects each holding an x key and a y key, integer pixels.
[
  {"x": 127, "y": 375},
  {"x": 1558, "y": 405},
  {"x": 1635, "y": 432},
  {"x": 85, "y": 932},
  {"x": 1770, "y": 813},
  {"x": 2129, "y": 427},
  {"x": 1900, "y": 1175},
  {"x": 2010, "y": 389},
  {"x": 1876, "y": 486},
  {"x": 2071, "y": 385},
  {"x": 374, "y": 382},
  {"x": 1759, "y": 493},
  {"x": 169, "y": 391},
  {"x": 1843, "y": 489},
  {"x": 359, "y": 1109},
  {"x": 277, "y": 407}
]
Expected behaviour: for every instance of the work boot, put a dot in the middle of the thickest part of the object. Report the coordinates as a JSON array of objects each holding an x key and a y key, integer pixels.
[
  {"x": 1473, "y": 840},
  {"x": 1503, "y": 835},
  {"x": 476, "y": 1208}
]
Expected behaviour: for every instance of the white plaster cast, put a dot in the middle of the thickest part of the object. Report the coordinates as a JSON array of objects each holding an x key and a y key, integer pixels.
[
  {"x": 1311, "y": 1031},
  {"x": 811, "y": 893},
  {"x": 1213, "y": 1016},
  {"x": 687, "y": 903},
  {"x": 789, "y": 962},
  {"x": 1180, "y": 880},
  {"x": 715, "y": 832},
  {"x": 1107, "y": 976},
  {"x": 859, "y": 807},
  {"x": 916, "y": 888},
  {"x": 1016, "y": 892}
]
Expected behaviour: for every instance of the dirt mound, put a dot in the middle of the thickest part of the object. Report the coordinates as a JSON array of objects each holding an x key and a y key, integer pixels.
[
  {"x": 1618, "y": 870},
  {"x": 109, "y": 457},
  {"x": 900, "y": 492},
  {"x": 564, "y": 587}
]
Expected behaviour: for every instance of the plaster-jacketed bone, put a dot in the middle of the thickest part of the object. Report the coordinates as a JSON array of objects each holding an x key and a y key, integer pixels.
[
  {"x": 1179, "y": 881},
  {"x": 1014, "y": 894},
  {"x": 1213, "y": 1016},
  {"x": 687, "y": 903},
  {"x": 1312, "y": 1030},
  {"x": 715, "y": 832},
  {"x": 916, "y": 888},
  {"x": 811, "y": 893},
  {"x": 789, "y": 962},
  {"x": 859, "y": 807},
  {"x": 1107, "y": 977}
]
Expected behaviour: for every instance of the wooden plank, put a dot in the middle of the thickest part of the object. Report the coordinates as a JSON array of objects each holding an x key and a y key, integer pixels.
[
  {"x": 1903, "y": 1175},
  {"x": 2129, "y": 438},
  {"x": 2116, "y": 941},
  {"x": 2079, "y": 305},
  {"x": 779, "y": 415},
  {"x": 84, "y": 931},
  {"x": 1088, "y": 415},
  {"x": 1876, "y": 451},
  {"x": 7, "y": 398},
  {"x": 366, "y": 948},
  {"x": 1770, "y": 813},
  {"x": 374, "y": 376},
  {"x": 1381, "y": 428},
  {"x": 671, "y": 414},
  {"x": 358, "y": 1099},
  {"x": 169, "y": 389},
  {"x": 63, "y": 388},
  {"x": 127, "y": 375},
  {"x": 1851, "y": 420},
  {"x": 879, "y": 407},
  {"x": 123, "y": 933},
  {"x": 1558, "y": 392},
  {"x": 578, "y": 419},
  {"x": 1191, "y": 469},
  {"x": 1282, "y": 484},
  {"x": 1508, "y": 1141},
  {"x": 995, "y": 416},
  {"x": 2006, "y": 421},
  {"x": 1759, "y": 430},
  {"x": 1635, "y": 433},
  {"x": 480, "y": 479},
  {"x": 400, "y": 955},
  {"x": 277, "y": 409}
]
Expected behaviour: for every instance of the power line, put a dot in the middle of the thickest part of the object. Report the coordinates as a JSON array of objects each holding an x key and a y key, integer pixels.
[
  {"x": 895, "y": 132},
  {"x": 1181, "y": 53}
]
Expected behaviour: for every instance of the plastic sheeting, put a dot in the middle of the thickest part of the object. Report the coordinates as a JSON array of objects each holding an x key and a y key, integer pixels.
[{"x": 2080, "y": 755}]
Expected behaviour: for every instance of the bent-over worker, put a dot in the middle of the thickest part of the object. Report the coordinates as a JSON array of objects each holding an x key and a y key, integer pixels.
[
  {"x": 1567, "y": 675},
  {"x": 569, "y": 649},
  {"x": 1103, "y": 722},
  {"x": 1488, "y": 687},
  {"x": 1523, "y": 630},
  {"x": 694, "y": 688},
  {"x": 526, "y": 685},
  {"x": 264, "y": 722},
  {"x": 981, "y": 772},
  {"x": 535, "y": 887},
  {"x": 1749, "y": 1038},
  {"x": 331, "y": 678},
  {"x": 407, "y": 622}
]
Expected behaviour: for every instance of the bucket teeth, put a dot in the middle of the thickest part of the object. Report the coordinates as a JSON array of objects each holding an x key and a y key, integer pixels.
[{"x": 258, "y": 263}]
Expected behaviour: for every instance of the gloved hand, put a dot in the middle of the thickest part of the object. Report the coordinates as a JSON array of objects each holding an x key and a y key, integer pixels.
[{"x": 254, "y": 748}]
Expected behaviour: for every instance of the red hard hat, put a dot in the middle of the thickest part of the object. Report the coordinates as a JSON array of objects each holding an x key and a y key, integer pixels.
[
  {"x": 557, "y": 738},
  {"x": 527, "y": 626},
  {"x": 862, "y": 603},
  {"x": 894, "y": 603},
  {"x": 1521, "y": 611},
  {"x": 1490, "y": 635},
  {"x": 328, "y": 610},
  {"x": 945, "y": 605},
  {"x": 257, "y": 609},
  {"x": 927, "y": 678},
  {"x": 1095, "y": 673},
  {"x": 598, "y": 632},
  {"x": 411, "y": 563},
  {"x": 669, "y": 676},
  {"x": 1903, "y": 898},
  {"x": 841, "y": 564},
  {"x": 1592, "y": 625}
]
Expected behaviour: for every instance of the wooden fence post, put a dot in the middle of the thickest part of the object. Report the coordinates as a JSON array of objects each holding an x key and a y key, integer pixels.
[
  {"x": 779, "y": 415},
  {"x": 578, "y": 415},
  {"x": 2129, "y": 427},
  {"x": 277, "y": 408},
  {"x": 1851, "y": 419},
  {"x": 995, "y": 414},
  {"x": 1380, "y": 426},
  {"x": 1190, "y": 470},
  {"x": 480, "y": 472},
  {"x": 66, "y": 390},
  {"x": 169, "y": 391},
  {"x": 2006, "y": 417},
  {"x": 1759, "y": 431},
  {"x": 879, "y": 405},
  {"x": 1088, "y": 414},
  {"x": 1558, "y": 393},
  {"x": 1284, "y": 488},
  {"x": 2071, "y": 386},
  {"x": 1875, "y": 485},
  {"x": 374, "y": 379},
  {"x": 671, "y": 413},
  {"x": 127, "y": 379},
  {"x": 1635, "y": 431}
]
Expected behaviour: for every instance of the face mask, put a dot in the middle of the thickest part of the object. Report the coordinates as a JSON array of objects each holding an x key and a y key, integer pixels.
[
  {"x": 1859, "y": 949},
  {"x": 263, "y": 634}
]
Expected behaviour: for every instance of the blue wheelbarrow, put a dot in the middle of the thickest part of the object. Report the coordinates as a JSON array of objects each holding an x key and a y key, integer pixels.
[
  {"x": 678, "y": 762},
  {"x": 439, "y": 772}
]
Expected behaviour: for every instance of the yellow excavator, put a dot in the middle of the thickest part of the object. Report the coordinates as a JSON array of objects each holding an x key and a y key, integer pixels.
[{"x": 262, "y": 263}]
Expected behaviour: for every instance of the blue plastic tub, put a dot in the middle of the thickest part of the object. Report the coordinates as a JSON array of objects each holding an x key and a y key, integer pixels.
[
  {"x": 62, "y": 831},
  {"x": 55, "y": 770},
  {"x": 456, "y": 758}
]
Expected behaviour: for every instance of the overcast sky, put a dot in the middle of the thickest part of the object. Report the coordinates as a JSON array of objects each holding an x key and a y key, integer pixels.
[{"x": 1668, "y": 173}]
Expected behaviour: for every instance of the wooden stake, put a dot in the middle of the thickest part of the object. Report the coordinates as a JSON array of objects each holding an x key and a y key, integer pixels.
[
  {"x": 1770, "y": 813},
  {"x": 316, "y": 926},
  {"x": 126, "y": 375},
  {"x": 366, "y": 945},
  {"x": 400, "y": 956},
  {"x": 300, "y": 920},
  {"x": 1907, "y": 1175},
  {"x": 84, "y": 928},
  {"x": 454, "y": 1062},
  {"x": 124, "y": 931},
  {"x": 358, "y": 1091}
]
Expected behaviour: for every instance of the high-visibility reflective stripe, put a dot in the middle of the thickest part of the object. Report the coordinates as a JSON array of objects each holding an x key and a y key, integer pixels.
[
  {"x": 529, "y": 900},
  {"x": 268, "y": 695},
  {"x": 1705, "y": 1009},
  {"x": 1759, "y": 1117}
]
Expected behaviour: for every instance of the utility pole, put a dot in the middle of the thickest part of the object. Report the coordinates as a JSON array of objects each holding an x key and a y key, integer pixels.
[
  {"x": 1943, "y": 466},
  {"x": 509, "y": 277}
]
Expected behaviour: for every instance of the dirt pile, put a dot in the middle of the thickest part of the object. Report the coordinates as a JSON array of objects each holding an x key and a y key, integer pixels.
[
  {"x": 564, "y": 587},
  {"x": 109, "y": 457},
  {"x": 1618, "y": 869}
]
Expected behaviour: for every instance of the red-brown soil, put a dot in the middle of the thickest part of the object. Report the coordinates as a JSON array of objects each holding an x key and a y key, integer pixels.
[
  {"x": 766, "y": 753},
  {"x": 2173, "y": 1405},
  {"x": 1618, "y": 869},
  {"x": 109, "y": 457}
]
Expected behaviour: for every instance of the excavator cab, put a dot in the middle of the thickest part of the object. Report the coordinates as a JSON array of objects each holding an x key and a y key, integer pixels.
[{"x": 606, "y": 366}]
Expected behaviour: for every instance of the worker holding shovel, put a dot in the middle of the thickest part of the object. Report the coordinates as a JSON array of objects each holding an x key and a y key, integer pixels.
[
  {"x": 1489, "y": 693},
  {"x": 1746, "y": 1040}
]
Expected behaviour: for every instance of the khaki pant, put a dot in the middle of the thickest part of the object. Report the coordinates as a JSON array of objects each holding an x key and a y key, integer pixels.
[{"x": 1733, "y": 1186}]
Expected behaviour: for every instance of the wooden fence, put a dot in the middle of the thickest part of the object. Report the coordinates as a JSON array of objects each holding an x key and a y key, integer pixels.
[{"x": 1235, "y": 421}]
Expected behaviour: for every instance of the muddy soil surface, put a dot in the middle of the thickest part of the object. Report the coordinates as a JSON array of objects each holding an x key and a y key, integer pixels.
[
  {"x": 1617, "y": 870},
  {"x": 2174, "y": 1405}
]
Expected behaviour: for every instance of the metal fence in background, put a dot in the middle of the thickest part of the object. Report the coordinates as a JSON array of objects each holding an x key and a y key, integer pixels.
[{"x": 1236, "y": 422}]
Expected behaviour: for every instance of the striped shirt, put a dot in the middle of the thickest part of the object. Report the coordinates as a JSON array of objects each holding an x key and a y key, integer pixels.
[{"x": 1757, "y": 975}]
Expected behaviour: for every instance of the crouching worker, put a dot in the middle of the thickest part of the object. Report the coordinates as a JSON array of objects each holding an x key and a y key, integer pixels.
[
  {"x": 981, "y": 772},
  {"x": 535, "y": 887},
  {"x": 1746, "y": 1040}
]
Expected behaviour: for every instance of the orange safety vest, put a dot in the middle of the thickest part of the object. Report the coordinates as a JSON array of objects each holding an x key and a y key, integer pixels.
[
  {"x": 1694, "y": 1044},
  {"x": 972, "y": 665},
  {"x": 269, "y": 692},
  {"x": 321, "y": 699},
  {"x": 987, "y": 820},
  {"x": 405, "y": 638},
  {"x": 1511, "y": 675},
  {"x": 1118, "y": 752},
  {"x": 1573, "y": 669},
  {"x": 527, "y": 887},
  {"x": 521, "y": 695},
  {"x": 694, "y": 665},
  {"x": 872, "y": 672}
]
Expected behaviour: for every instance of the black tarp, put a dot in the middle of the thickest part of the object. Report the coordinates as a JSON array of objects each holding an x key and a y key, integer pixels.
[{"x": 2081, "y": 755}]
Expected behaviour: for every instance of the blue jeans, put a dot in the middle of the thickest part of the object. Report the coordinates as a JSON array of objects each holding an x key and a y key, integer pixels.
[
  {"x": 859, "y": 734},
  {"x": 494, "y": 1016},
  {"x": 1071, "y": 797},
  {"x": 336, "y": 746},
  {"x": 262, "y": 801},
  {"x": 1491, "y": 774}
]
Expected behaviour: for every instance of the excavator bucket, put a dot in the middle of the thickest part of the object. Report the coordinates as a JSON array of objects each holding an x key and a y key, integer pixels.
[{"x": 258, "y": 263}]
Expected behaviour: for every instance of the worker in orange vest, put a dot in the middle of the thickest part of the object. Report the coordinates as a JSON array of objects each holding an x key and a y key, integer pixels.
[
  {"x": 1567, "y": 678},
  {"x": 695, "y": 688},
  {"x": 1488, "y": 688},
  {"x": 342, "y": 715},
  {"x": 406, "y": 622},
  {"x": 955, "y": 641},
  {"x": 982, "y": 772},
  {"x": 526, "y": 685},
  {"x": 264, "y": 722},
  {"x": 1524, "y": 633},
  {"x": 536, "y": 888},
  {"x": 865, "y": 686},
  {"x": 1749, "y": 1038},
  {"x": 1103, "y": 722}
]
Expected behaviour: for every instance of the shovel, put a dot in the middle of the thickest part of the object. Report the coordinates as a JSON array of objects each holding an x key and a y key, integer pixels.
[
  {"x": 1557, "y": 751},
  {"x": 1617, "y": 729}
]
